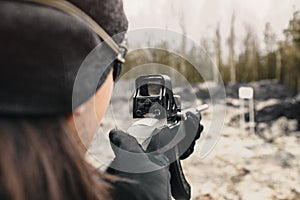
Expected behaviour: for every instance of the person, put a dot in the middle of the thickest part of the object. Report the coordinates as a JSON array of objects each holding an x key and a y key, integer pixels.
[{"x": 43, "y": 134}]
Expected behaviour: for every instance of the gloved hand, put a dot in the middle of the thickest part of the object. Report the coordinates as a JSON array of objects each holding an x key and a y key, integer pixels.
[
  {"x": 193, "y": 131},
  {"x": 146, "y": 175},
  {"x": 167, "y": 137},
  {"x": 177, "y": 142}
]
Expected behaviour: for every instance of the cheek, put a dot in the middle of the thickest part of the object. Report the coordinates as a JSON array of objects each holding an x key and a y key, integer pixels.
[{"x": 102, "y": 97}]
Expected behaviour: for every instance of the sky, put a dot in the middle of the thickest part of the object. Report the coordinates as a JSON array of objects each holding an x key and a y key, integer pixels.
[{"x": 201, "y": 17}]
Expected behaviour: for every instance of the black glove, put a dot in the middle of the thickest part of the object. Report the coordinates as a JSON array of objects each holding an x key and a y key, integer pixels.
[
  {"x": 177, "y": 142},
  {"x": 144, "y": 176},
  {"x": 183, "y": 136},
  {"x": 193, "y": 131}
]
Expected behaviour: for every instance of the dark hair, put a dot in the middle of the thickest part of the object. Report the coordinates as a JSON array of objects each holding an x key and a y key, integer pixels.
[{"x": 40, "y": 160}]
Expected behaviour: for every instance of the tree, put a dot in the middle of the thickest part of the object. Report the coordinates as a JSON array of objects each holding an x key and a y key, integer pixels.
[
  {"x": 292, "y": 33},
  {"x": 218, "y": 52},
  {"x": 291, "y": 53},
  {"x": 269, "y": 66},
  {"x": 269, "y": 38},
  {"x": 248, "y": 66},
  {"x": 231, "y": 43}
]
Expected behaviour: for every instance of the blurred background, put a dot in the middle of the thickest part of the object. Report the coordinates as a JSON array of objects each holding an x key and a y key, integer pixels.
[
  {"x": 254, "y": 44},
  {"x": 248, "y": 40}
]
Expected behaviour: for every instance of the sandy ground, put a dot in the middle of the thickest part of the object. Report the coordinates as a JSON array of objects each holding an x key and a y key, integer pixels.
[
  {"x": 245, "y": 166},
  {"x": 242, "y": 165}
]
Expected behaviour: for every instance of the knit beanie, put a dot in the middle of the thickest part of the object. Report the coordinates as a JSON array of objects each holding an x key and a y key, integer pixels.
[{"x": 42, "y": 49}]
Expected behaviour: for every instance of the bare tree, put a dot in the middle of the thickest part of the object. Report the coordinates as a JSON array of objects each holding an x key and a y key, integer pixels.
[
  {"x": 218, "y": 52},
  {"x": 231, "y": 43},
  {"x": 182, "y": 24},
  {"x": 269, "y": 38}
]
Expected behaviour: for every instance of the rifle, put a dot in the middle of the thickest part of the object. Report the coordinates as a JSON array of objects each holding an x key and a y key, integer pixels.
[{"x": 154, "y": 99}]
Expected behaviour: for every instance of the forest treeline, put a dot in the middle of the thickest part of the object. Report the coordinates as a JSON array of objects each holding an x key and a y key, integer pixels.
[{"x": 275, "y": 59}]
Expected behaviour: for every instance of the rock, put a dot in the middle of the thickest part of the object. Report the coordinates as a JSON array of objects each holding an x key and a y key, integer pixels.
[
  {"x": 276, "y": 129},
  {"x": 289, "y": 108},
  {"x": 284, "y": 125},
  {"x": 263, "y": 130}
]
